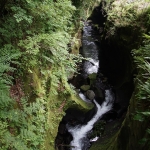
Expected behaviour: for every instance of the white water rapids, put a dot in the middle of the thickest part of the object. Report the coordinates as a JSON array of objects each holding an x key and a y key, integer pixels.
[
  {"x": 79, "y": 132},
  {"x": 89, "y": 51},
  {"x": 92, "y": 67}
]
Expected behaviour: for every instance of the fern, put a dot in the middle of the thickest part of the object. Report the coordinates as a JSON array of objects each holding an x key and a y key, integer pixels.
[
  {"x": 36, "y": 41},
  {"x": 141, "y": 57}
]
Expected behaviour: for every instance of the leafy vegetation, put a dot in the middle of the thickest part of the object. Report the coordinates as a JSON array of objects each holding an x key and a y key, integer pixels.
[
  {"x": 142, "y": 59},
  {"x": 35, "y": 63},
  {"x": 84, "y": 9},
  {"x": 125, "y": 13},
  {"x": 127, "y": 26}
]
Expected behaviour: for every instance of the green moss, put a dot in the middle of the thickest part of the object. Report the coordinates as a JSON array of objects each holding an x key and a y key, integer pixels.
[
  {"x": 82, "y": 104},
  {"x": 92, "y": 76},
  {"x": 85, "y": 87},
  {"x": 76, "y": 42}
]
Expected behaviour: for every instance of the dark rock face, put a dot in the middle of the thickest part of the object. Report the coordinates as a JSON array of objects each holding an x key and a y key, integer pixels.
[
  {"x": 116, "y": 64},
  {"x": 110, "y": 116},
  {"x": 98, "y": 15},
  {"x": 74, "y": 116}
]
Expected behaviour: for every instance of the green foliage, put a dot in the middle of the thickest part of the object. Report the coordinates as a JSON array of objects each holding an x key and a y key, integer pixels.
[
  {"x": 84, "y": 9},
  {"x": 24, "y": 127},
  {"x": 44, "y": 49},
  {"x": 17, "y": 129},
  {"x": 142, "y": 59},
  {"x": 125, "y": 13},
  {"x": 34, "y": 40},
  {"x": 8, "y": 55}
]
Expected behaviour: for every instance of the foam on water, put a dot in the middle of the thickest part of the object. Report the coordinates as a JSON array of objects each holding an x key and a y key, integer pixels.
[
  {"x": 83, "y": 97},
  {"x": 89, "y": 51},
  {"x": 94, "y": 139},
  {"x": 94, "y": 67}
]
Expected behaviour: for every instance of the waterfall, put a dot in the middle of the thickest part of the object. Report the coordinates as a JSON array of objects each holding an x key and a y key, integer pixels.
[
  {"x": 89, "y": 51},
  {"x": 79, "y": 132},
  {"x": 92, "y": 66}
]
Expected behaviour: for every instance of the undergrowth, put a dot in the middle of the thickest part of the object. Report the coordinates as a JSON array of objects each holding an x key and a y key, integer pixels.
[
  {"x": 123, "y": 13},
  {"x": 142, "y": 60},
  {"x": 34, "y": 48}
]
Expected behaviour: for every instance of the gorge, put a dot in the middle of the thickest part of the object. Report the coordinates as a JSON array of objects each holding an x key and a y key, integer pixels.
[
  {"x": 75, "y": 75},
  {"x": 117, "y": 64},
  {"x": 108, "y": 106}
]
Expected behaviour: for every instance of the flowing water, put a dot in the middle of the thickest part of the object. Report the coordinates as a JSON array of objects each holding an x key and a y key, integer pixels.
[
  {"x": 79, "y": 132},
  {"x": 89, "y": 51}
]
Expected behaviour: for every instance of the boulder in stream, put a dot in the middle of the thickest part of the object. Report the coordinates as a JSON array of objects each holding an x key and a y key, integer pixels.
[
  {"x": 85, "y": 87},
  {"x": 90, "y": 94}
]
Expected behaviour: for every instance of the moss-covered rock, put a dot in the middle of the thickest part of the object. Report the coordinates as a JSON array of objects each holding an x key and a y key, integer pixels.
[
  {"x": 85, "y": 87},
  {"x": 90, "y": 94},
  {"x": 92, "y": 76}
]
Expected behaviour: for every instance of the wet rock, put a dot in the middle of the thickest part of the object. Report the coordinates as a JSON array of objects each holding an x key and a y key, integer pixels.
[
  {"x": 77, "y": 81},
  {"x": 92, "y": 76},
  {"x": 85, "y": 143},
  {"x": 62, "y": 141},
  {"x": 73, "y": 115},
  {"x": 99, "y": 93},
  {"x": 85, "y": 87},
  {"x": 100, "y": 85},
  {"x": 90, "y": 94},
  {"x": 121, "y": 112},
  {"x": 89, "y": 115}
]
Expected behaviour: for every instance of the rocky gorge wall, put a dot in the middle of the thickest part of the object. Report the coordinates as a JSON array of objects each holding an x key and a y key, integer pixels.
[{"x": 119, "y": 34}]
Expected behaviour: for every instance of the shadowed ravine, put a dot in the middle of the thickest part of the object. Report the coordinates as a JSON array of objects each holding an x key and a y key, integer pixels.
[
  {"x": 75, "y": 129},
  {"x": 90, "y": 50}
]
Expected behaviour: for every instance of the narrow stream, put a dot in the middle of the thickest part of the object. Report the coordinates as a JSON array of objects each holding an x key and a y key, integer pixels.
[
  {"x": 80, "y": 132},
  {"x": 89, "y": 51},
  {"x": 79, "y": 129}
]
